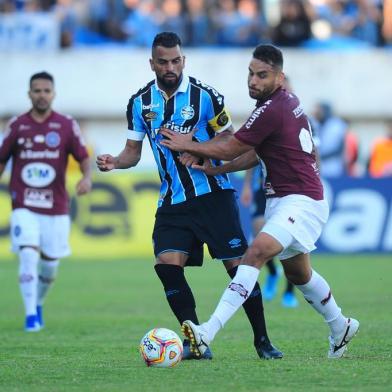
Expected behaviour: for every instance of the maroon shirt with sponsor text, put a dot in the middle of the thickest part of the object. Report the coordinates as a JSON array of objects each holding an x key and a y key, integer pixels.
[
  {"x": 280, "y": 132},
  {"x": 39, "y": 153}
]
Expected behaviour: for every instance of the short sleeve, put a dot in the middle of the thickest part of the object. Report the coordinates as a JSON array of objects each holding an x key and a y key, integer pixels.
[
  {"x": 136, "y": 127},
  {"x": 9, "y": 139}
]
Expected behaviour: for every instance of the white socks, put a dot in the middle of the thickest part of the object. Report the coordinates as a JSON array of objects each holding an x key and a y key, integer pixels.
[
  {"x": 47, "y": 275},
  {"x": 232, "y": 299},
  {"x": 28, "y": 277},
  {"x": 318, "y": 293}
]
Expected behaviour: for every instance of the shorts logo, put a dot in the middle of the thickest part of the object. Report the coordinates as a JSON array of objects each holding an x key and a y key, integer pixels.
[
  {"x": 52, "y": 139},
  {"x": 187, "y": 112},
  {"x": 235, "y": 243},
  {"x": 291, "y": 220},
  {"x": 25, "y": 278},
  {"x": 17, "y": 231},
  {"x": 239, "y": 288},
  {"x": 222, "y": 119}
]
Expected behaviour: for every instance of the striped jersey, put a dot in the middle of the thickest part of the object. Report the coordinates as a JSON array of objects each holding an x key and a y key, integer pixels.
[{"x": 194, "y": 105}]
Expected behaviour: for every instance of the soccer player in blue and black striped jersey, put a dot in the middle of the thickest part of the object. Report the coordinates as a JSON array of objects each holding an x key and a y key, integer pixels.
[{"x": 193, "y": 208}]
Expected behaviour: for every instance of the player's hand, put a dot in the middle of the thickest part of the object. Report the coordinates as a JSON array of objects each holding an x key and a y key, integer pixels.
[
  {"x": 174, "y": 140},
  {"x": 207, "y": 167},
  {"x": 188, "y": 159},
  {"x": 83, "y": 186},
  {"x": 105, "y": 162},
  {"x": 246, "y": 195}
]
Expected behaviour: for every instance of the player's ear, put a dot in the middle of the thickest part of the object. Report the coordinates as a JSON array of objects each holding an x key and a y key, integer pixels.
[{"x": 152, "y": 65}]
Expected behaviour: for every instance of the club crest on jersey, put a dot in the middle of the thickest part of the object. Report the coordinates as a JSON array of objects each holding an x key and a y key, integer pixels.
[
  {"x": 52, "y": 139},
  {"x": 187, "y": 112},
  {"x": 151, "y": 116}
]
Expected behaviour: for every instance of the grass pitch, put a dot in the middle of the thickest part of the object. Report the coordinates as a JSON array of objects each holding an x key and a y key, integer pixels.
[{"x": 98, "y": 311}]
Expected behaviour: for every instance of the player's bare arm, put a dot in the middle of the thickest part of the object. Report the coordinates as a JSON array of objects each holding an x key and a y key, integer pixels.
[
  {"x": 243, "y": 162},
  {"x": 224, "y": 146},
  {"x": 128, "y": 157},
  {"x": 85, "y": 184}
]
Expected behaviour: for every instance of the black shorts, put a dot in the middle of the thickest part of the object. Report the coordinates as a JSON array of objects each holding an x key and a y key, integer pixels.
[
  {"x": 211, "y": 219},
  {"x": 258, "y": 203}
]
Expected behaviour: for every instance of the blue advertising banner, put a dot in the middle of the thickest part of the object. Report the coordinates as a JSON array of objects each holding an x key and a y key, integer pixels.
[{"x": 360, "y": 219}]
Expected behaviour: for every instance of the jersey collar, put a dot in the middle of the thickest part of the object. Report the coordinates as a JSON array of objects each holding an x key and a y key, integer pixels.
[{"x": 182, "y": 88}]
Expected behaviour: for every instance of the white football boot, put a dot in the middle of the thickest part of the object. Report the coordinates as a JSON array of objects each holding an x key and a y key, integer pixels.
[
  {"x": 338, "y": 344},
  {"x": 197, "y": 336}
]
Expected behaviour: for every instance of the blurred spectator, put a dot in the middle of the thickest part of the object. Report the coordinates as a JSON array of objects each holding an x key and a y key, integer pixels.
[
  {"x": 387, "y": 21},
  {"x": 294, "y": 26},
  {"x": 351, "y": 153},
  {"x": 380, "y": 162},
  {"x": 172, "y": 17},
  {"x": 217, "y": 22},
  {"x": 198, "y": 26},
  {"x": 331, "y": 131},
  {"x": 237, "y": 26},
  {"x": 142, "y": 23}
]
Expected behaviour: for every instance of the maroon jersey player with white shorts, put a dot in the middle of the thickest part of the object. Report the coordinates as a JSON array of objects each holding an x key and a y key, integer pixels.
[
  {"x": 39, "y": 143},
  {"x": 278, "y": 136}
]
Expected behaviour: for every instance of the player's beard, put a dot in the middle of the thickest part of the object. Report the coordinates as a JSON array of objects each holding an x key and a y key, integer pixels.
[
  {"x": 169, "y": 83},
  {"x": 261, "y": 95},
  {"x": 42, "y": 108}
]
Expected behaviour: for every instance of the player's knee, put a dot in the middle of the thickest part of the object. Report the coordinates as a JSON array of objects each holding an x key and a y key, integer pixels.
[{"x": 257, "y": 256}]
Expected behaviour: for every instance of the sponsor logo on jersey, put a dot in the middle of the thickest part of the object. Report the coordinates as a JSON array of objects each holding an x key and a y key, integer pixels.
[
  {"x": 52, "y": 139},
  {"x": 173, "y": 127},
  {"x": 187, "y": 112},
  {"x": 23, "y": 127},
  {"x": 40, "y": 198},
  {"x": 54, "y": 125},
  {"x": 150, "y": 106},
  {"x": 38, "y": 174},
  {"x": 45, "y": 154},
  {"x": 21, "y": 140},
  {"x": 239, "y": 288},
  {"x": 256, "y": 114},
  {"x": 39, "y": 139},
  {"x": 214, "y": 92},
  {"x": 151, "y": 116},
  {"x": 298, "y": 111},
  {"x": 291, "y": 219}
]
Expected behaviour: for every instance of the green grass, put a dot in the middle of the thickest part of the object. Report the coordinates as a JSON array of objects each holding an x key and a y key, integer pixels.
[{"x": 98, "y": 312}]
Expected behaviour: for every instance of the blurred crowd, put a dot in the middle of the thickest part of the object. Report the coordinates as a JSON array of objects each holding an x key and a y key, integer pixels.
[{"x": 232, "y": 23}]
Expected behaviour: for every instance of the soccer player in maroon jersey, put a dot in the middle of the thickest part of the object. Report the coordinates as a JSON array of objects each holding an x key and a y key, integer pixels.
[
  {"x": 279, "y": 136},
  {"x": 39, "y": 143}
]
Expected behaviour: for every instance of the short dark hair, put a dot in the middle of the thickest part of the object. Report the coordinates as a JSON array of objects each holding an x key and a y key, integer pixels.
[
  {"x": 269, "y": 54},
  {"x": 41, "y": 75},
  {"x": 166, "y": 39}
]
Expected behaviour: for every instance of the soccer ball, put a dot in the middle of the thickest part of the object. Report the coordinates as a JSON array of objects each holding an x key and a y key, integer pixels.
[{"x": 161, "y": 347}]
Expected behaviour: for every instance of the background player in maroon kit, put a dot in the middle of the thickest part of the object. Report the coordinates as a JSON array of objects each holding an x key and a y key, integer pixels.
[
  {"x": 278, "y": 134},
  {"x": 39, "y": 143}
]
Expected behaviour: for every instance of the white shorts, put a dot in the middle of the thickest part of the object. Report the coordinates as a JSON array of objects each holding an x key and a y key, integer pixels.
[
  {"x": 50, "y": 233},
  {"x": 296, "y": 221}
]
